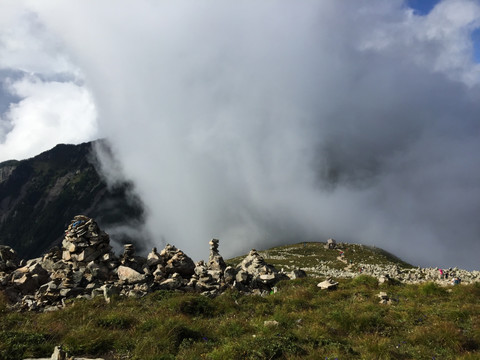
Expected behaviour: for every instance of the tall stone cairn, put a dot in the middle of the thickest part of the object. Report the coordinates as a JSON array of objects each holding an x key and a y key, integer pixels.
[
  {"x": 84, "y": 241},
  {"x": 215, "y": 260}
]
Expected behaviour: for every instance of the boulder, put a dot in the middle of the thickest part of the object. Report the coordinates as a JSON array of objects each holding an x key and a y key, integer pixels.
[
  {"x": 296, "y": 274},
  {"x": 129, "y": 275},
  {"x": 229, "y": 275}
]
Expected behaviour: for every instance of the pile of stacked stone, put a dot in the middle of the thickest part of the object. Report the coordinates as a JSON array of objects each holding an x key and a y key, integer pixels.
[
  {"x": 85, "y": 242},
  {"x": 254, "y": 273},
  {"x": 85, "y": 267},
  {"x": 214, "y": 276}
]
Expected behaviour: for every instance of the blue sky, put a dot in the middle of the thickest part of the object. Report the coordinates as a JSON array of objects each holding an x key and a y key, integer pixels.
[
  {"x": 476, "y": 45},
  {"x": 422, "y": 7}
]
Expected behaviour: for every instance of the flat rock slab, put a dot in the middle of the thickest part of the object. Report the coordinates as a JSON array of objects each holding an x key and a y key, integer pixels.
[{"x": 328, "y": 284}]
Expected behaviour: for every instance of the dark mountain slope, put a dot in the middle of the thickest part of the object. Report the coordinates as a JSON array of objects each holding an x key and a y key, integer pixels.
[{"x": 39, "y": 196}]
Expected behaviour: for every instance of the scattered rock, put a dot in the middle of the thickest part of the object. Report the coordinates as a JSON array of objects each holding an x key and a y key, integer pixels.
[
  {"x": 270, "y": 323},
  {"x": 296, "y": 274},
  {"x": 328, "y": 284},
  {"x": 59, "y": 354},
  {"x": 85, "y": 267},
  {"x": 384, "y": 298}
]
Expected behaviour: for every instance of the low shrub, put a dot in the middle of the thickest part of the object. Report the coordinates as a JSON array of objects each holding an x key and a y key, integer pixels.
[
  {"x": 432, "y": 289},
  {"x": 115, "y": 322},
  {"x": 92, "y": 344},
  {"x": 367, "y": 281},
  {"x": 18, "y": 344},
  {"x": 182, "y": 335},
  {"x": 197, "y": 306}
]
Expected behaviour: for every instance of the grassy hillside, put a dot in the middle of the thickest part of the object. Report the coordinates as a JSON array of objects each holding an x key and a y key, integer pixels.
[
  {"x": 308, "y": 255},
  {"x": 298, "y": 321},
  {"x": 425, "y": 322}
]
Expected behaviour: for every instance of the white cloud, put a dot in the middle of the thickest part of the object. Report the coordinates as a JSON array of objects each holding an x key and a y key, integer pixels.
[
  {"x": 440, "y": 41},
  {"x": 261, "y": 122},
  {"x": 51, "y": 103},
  {"x": 49, "y": 113}
]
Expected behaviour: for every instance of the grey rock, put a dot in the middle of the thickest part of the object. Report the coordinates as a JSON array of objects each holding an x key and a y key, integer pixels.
[
  {"x": 154, "y": 258},
  {"x": 215, "y": 260},
  {"x": 129, "y": 275},
  {"x": 179, "y": 263},
  {"x": 172, "y": 283},
  {"x": 271, "y": 323},
  {"x": 296, "y": 274},
  {"x": 229, "y": 275},
  {"x": 328, "y": 284}
]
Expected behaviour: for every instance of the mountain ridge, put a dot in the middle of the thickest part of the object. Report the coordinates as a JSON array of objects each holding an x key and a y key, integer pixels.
[{"x": 39, "y": 195}]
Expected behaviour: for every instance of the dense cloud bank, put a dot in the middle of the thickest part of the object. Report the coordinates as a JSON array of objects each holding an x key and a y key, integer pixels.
[{"x": 273, "y": 121}]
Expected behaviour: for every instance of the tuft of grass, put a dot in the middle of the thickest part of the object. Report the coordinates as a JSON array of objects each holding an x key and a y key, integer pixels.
[
  {"x": 432, "y": 289},
  {"x": 16, "y": 344},
  {"x": 115, "y": 322},
  {"x": 196, "y": 306},
  {"x": 366, "y": 281}
]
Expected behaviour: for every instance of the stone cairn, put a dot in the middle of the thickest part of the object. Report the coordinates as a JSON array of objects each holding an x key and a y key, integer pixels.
[{"x": 86, "y": 267}]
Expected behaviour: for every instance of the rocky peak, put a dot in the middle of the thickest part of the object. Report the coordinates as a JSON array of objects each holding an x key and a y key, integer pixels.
[{"x": 6, "y": 169}]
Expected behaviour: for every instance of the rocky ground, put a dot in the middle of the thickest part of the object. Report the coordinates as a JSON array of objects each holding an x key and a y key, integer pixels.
[
  {"x": 350, "y": 260},
  {"x": 415, "y": 275},
  {"x": 86, "y": 267}
]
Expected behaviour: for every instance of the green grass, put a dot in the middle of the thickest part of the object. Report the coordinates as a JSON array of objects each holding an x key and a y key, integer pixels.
[
  {"x": 426, "y": 322},
  {"x": 310, "y": 255}
]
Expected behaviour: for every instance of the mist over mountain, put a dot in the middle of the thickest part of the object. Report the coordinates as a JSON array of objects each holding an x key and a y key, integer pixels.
[
  {"x": 268, "y": 122},
  {"x": 39, "y": 196}
]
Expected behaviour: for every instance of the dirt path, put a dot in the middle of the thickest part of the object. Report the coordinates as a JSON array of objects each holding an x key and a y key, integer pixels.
[{"x": 343, "y": 260}]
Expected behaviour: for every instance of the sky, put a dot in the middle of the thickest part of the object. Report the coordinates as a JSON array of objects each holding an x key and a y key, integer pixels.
[{"x": 262, "y": 123}]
